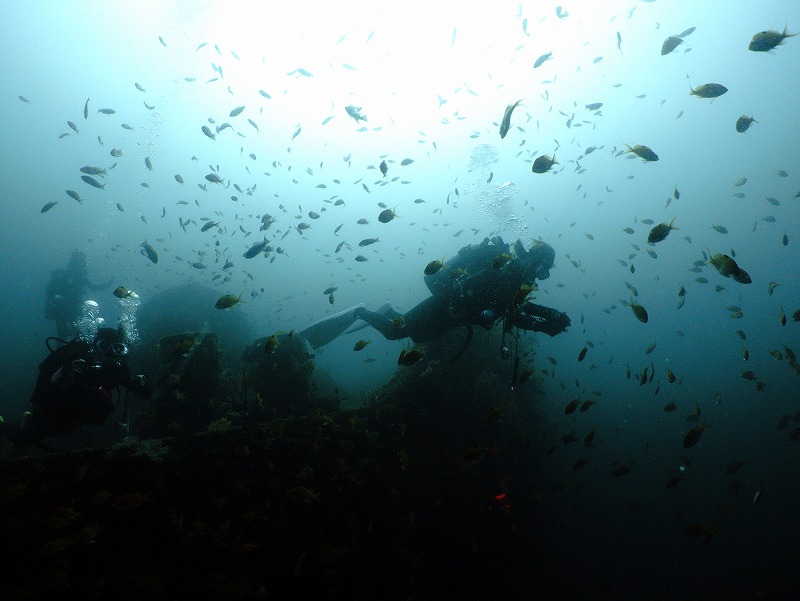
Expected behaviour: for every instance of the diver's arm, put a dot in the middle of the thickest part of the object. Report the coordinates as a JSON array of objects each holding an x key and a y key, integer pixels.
[{"x": 538, "y": 318}]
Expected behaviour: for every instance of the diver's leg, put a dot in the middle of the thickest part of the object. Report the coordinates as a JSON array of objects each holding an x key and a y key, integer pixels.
[
  {"x": 383, "y": 322},
  {"x": 387, "y": 310},
  {"x": 325, "y": 330},
  {"x": 427, "y": 320}
]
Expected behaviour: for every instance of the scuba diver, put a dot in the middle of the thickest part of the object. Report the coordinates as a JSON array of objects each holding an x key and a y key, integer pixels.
[
  {"x": 65, "y": 292},
  {"x": 482, "y": 284},
  {"x": 78, "y": 384}
]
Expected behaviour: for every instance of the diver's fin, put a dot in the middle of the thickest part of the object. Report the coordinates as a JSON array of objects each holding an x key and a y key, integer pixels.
[{"x": 326, "y": 330}]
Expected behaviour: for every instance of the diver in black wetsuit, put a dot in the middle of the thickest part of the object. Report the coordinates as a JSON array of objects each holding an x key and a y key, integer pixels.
[
  {"x": 476, "y": 287},
  {"x": 65, "y": 294},
  {"x": 78, "y": 384}
]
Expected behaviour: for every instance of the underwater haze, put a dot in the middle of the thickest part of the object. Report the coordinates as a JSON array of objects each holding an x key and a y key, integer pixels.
[{"x": 649, "y": 504}]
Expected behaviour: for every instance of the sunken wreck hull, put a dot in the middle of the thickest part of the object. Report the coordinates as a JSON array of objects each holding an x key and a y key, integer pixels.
[
  {"x": 317, "y": 507},
  {"x": 422, "y": 493}
]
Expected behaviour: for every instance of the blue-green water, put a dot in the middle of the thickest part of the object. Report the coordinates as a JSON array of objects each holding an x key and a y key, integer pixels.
[{"x": 433, "y": 82}]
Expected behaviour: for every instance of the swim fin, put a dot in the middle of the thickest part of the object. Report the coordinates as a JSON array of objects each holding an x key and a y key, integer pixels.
[{"x": 328, "y": 329}]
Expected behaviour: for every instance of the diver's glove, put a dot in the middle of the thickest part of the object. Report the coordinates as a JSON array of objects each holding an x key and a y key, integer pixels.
[{"x": 140, "y": 386}]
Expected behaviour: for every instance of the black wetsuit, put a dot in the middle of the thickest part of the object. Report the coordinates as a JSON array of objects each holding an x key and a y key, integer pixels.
[
  {"x": 478, "y": 279},
  {"x": 76, "y": 386}
]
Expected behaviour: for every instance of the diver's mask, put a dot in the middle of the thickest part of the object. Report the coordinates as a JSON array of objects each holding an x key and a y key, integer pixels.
[
  {"x": 487, "y": 318},
  {"x": 110, "y": 348}
]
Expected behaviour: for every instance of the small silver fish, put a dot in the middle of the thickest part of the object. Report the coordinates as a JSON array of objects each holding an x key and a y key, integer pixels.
[
  {"x": 541, "y": 60},
  {"x": 505, "y": 124}
]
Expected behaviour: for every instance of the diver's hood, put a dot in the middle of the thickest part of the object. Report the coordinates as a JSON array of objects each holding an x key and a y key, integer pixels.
[{"x": 543, "y": 255}]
